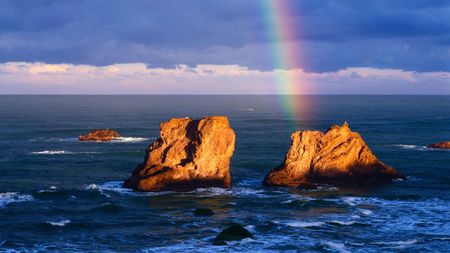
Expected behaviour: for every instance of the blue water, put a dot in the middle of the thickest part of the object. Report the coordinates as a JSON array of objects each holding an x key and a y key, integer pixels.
[{"x": 57, "y": 194}]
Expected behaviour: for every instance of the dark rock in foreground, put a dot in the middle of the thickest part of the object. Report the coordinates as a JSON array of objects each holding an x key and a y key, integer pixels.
[
  {"x": 338, "y": 156},
  {"x": 203, "y": 212},
  {"x": 440, "y": 145},
  {"x": 234, "y": 232},
  {"x": 189, "y": 154},
  {"x": 100, "y": 135}
]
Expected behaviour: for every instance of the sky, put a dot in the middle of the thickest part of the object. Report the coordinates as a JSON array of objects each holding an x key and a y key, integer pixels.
[{"x": 223, "y": 47}]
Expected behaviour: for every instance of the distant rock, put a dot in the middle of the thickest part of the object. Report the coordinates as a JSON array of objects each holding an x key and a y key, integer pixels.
[
  {"x": 189, "y": 154},
  {"x": 440, "y": 145},
  {"x": 203, "y": 212},
  {"x": 234, "y": 232},
  {"x": 338, "y": 156},
  {"x": 100, "y": 135}
]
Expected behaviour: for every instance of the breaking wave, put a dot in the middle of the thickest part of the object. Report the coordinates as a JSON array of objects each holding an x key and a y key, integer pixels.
[
  {"x": 12, "y": 197},
  {"x": 60, "y": 152},
  {"x": 61, "y": 223},
  {"x": 416, "y": 147},
  {"x": 129, "y": 139}
]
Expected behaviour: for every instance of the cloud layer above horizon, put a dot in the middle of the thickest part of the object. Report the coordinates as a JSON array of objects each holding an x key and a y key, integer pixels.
[
  {"x": 139, "y": 78},
  {"x": 370, "y": 47}
]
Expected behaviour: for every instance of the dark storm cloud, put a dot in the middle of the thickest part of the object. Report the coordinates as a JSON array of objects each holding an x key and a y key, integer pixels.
[{"x": 412, "y": 35}]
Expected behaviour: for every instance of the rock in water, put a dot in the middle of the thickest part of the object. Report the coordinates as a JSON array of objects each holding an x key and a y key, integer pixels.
[
  {"x": 440, "y": 145},
  {"x": 189, "y": 154},
  {"x": 203, "y": 212},
  {"x": 338, "y": 156},
  {"x": 234, "y": 232},
  {"x": 100, "y": 135}
]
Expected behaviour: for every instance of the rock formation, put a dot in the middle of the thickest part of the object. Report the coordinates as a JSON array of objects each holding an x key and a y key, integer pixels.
[
  {"x": 203, "y": 212},
  {"x": 100, "y": 135},
  {"x": 189, "y": 154},
  {"x": 440, "y": 145},
  {"x": 338, "y": 156},
  {"x": 235, "y": 232}
]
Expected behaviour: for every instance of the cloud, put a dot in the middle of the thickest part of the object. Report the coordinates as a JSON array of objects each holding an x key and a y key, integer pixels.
[
  {"x": 405, "y": 34},
  {"x": 139, "y": 78}
]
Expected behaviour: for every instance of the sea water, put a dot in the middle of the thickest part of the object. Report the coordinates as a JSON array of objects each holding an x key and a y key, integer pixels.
[{"x": 58, "y": 194}]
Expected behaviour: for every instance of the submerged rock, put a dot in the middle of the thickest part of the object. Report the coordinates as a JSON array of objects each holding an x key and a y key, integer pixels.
[
  {"x": 99, "y": 135},
  {"x": 440, "y": 145},
  {"x": 338, "y": 156},
  {"x": 189, "y": 154},
  {"x": 234, "y": 232},
  {"x": 203, "y": 212}
]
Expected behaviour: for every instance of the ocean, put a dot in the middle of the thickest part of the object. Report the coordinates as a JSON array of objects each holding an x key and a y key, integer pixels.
[{"x": 58, "y": 194}]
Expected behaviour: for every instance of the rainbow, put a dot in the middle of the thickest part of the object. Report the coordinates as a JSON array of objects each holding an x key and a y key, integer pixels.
[{"x": 286, "y": 56}]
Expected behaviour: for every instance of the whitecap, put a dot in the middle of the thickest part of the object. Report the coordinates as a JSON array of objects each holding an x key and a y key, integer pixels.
[
  {"x": 60, "y": 152},
  {"x": 335, "y": 246},
  {"x": 412, "y": 147},
  {"x": 59, "y": 223},
  {"x": 247, "y": 109},
  {"x": 397, "y": 243},
  {"x": 350, "y": 200},
  {"x": 212, "y": 191},
  {"x": 116, "y": 186},
  {"x": 129, "y": 139},
  {"x": 344, "y": 223},
  {"x": 51, "y": 152},
  {"x": 91, "y": 187},
  {"x": 12, "y": 197},
  {"x": 365, "y": 211},
  {"x": 305, "y": 224},
  {"x": 235, "y": 191}
]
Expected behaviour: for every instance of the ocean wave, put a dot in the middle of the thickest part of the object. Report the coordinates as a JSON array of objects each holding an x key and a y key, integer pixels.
[
  {"x": 397, "y": 243},
  {"x": 366, "y": 211},
  {"x": 417, "y": 147},
  {"x": 60, "y": 223},
  {"x": 342, "y": 223},
  {"x": 336, "y": 247},
  {"x": 237, "y": 191},
  {"x": 73, "y": 139},
  {"x": 60, "y": 152},
  {"x": 12, "y": 197},
  {"x": 116, "y": 187},
  {"x": 51, "y": 152},
  {"x": 129, "y": 139},
  {"x": 301, "y": 224}
]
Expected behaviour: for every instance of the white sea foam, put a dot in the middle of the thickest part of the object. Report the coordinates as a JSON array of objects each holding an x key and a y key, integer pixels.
[
  {"x": 116, "y": 186},
  {"x": 350, "y": 200},
  {"x": 365, "y": 211},
  {"x": 234, "y": 191},
  {"x": 335, "y": 246},
  {"x": 129, "y": 139},
  {"x": 412, "y": 147},
  {"x": 247, "y": 109},
  {"x": 51, "y": 152},
  {"x": 305, "y": 224},
  {"x": 60, "y": 223},
  {"x": 60, "y": 152},
  {"x": 344, "y": 223},
  {"x": 397, "y": 243},
  {"x": 11, "y": 197}
]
